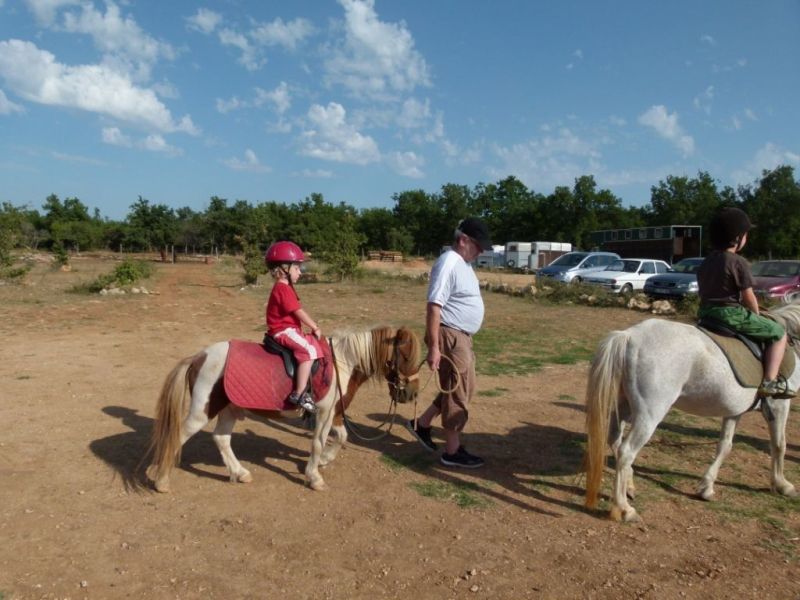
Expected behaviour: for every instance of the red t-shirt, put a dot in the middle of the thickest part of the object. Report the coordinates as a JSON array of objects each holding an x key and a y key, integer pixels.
[{"x": 283, "y": 302}]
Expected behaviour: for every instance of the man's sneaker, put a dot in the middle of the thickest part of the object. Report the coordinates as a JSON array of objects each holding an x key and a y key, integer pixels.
[
  {"x": 776, "y": 388},
  {"x": 461, "y": 459},
  {"x": 423, "y": 435}
]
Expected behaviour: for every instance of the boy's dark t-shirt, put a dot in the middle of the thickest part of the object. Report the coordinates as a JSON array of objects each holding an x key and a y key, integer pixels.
[{"x": 721, "y": 277}]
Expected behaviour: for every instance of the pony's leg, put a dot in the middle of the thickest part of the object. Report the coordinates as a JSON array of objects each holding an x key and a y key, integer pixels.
[
  {"x": 616, "y": 432},
  {"x": 706, "y": 488},
  {"x": 641, "y": 430},
  {"x": 324, "y": 421},
  {"x": 226, "y": 420},
  {"x": 333, "y": 446},
  {"x": 777, "y": 438}
]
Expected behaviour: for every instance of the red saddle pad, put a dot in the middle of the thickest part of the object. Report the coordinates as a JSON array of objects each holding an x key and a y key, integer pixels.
[{"x": 257, "y": 379}]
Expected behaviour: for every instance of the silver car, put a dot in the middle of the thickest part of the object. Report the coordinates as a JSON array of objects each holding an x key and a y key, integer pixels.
[{"x": 574, "y": 266}]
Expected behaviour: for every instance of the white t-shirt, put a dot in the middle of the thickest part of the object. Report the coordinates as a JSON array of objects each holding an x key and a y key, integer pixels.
[{"x": 455, "y": 288}]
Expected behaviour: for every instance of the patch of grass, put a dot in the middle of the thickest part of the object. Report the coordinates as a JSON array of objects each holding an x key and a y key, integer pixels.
[
  {"x": 567, "y": 397},
  {"x": 126, "y": 273},
  {"x": 22, "y": 377},
  {"x": 378, "y": 291},
  {"x": 396, "y": 464},
  {"x": 465, "y": 495},
  {"x": 493, "y": 393}
]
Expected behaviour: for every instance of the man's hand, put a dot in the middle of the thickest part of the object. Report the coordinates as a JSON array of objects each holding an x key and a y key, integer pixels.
[{"x": 434, "y": 357}]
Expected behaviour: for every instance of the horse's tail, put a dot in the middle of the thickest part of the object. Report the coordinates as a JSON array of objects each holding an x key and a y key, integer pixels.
[
  {"x": 165, "y": 441},
  {"x": 602, "y": 395}
]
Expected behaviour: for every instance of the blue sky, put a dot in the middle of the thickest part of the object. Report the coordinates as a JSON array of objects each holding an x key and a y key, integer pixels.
[{"x": 360, "y": 99}]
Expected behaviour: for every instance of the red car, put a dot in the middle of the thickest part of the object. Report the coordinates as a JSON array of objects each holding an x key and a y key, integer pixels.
[{"x": 779, "y": 279}]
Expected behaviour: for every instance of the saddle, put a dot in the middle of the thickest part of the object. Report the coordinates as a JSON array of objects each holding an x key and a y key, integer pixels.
[
  {"x": 289, "y": 361},
  {"x": 259, "y": 380},
  {"x": 743, "y": 354}
]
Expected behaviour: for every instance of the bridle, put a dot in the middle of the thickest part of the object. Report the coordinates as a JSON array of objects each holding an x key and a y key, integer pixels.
[{"x": 397, "y": 386}]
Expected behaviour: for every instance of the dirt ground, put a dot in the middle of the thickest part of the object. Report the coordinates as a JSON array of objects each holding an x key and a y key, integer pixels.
[{"x": 80, "y": 376}]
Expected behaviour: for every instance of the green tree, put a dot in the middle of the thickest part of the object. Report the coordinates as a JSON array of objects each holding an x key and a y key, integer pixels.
[
  {"x": 774, "y": 205},
  {"x": 151, "y": 226}
]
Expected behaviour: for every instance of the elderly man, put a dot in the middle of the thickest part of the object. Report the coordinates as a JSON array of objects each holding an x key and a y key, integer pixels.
[{"x": 454, "y": 315}]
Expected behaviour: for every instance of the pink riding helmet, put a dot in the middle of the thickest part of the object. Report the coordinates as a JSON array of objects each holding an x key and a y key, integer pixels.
[{"x": 284, "y": 252}]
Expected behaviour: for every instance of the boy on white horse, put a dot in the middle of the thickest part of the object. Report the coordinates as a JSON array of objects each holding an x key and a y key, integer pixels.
[
  {"x": 286, "y": 317},
  {"x": 726, "y": 294}
]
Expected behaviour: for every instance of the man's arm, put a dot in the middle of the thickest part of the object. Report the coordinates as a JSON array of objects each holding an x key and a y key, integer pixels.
[{"x": 433, "y": 319}]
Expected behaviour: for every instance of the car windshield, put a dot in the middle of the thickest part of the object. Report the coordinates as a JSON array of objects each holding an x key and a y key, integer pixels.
[
  {"x": 572, "y": 259},
  {"x": 769, "y": 268},
  {"x": 688, "y": 265},
  {"x": 627, "y": 266}
]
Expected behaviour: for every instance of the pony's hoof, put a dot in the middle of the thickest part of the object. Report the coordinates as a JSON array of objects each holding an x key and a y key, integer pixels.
[
  {"x": 706, "y": 494},
  {"x": 615, "y": 514},
  {"x": 786, "y": 490},
  {"x": 245, "y": 477},
  {"x": 162, "y": 486},
  {"x": 626, "y": 516},
  {"x": 318, "y": 486}
]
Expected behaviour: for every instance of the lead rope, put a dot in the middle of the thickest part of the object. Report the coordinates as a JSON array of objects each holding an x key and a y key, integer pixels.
[
  {"x": 438, "y": 383},
  {"x": 349, "y": 425}
]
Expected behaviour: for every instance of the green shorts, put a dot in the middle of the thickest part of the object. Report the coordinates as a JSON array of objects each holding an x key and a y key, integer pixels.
[{"x": 745, "y": 322}]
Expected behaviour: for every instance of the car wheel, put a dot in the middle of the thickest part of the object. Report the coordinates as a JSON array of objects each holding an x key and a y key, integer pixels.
[
  {"x": 627, "y": 288},
  {"x": 791, "y": 296},
  {"x": 577, "y": 280}
]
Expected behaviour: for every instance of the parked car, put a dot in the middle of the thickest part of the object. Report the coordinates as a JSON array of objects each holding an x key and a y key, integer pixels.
[
  {"x": 679, "y": 282},
  {"x": 627, "y": 274},
  {"x": 574, "y": 266},
  {"x": 778, "y": 279}
]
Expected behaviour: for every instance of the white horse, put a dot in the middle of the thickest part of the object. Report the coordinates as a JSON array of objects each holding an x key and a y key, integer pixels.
[
  {"x": 640, "y": 373},
  {"x": 381, "y": 352}
]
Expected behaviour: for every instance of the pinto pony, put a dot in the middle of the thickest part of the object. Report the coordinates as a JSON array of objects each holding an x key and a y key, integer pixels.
[
  {"x": 382, "y": 352},
  {"x": 640, "y": 373}
]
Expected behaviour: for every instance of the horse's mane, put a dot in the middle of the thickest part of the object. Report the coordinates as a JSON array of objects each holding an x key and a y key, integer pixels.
[
  {"x": 791, "y": 314},
  {"x": 369, "y": 350},
  {"x": 359, "y": 349}
]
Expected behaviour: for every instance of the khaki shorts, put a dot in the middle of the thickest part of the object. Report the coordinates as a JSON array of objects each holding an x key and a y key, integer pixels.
[
  {"x": 745, "y": 322},
  {"x": 457, "y": 346}
]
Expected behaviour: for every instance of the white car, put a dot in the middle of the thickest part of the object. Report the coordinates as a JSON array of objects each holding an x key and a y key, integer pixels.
[{"x": 627, "y": 274}]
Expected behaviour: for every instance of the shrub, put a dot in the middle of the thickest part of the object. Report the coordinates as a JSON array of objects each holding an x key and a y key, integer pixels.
[{"x": 126, "y": 273}]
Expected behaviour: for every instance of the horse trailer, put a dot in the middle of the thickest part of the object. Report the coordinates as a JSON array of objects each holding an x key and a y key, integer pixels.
[{"x": 529, "y": 256}]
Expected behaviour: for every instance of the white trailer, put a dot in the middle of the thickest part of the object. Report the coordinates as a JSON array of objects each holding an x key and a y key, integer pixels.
[
  {"x": 543, "y": 253},
  {"x": 517, "y": 254},
  {"x": 492, "y": 259}
]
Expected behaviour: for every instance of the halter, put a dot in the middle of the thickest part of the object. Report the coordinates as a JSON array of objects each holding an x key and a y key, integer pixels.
[{"x": 397, "y": 384}]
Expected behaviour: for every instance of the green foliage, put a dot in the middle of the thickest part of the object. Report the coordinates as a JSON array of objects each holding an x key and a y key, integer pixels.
[
  {"x": 60, "y": 255},
  {"x": 340, "y": 250},
  {"x": 465, "y": 495},
  {"x": 253, "y": 263},
  {"x": 126, "y": 273}
]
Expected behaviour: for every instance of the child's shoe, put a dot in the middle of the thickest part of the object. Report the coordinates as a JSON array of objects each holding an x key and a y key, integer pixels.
[
  {"x": 304, "y": 401},
  {"x": 776, "y": 388}
]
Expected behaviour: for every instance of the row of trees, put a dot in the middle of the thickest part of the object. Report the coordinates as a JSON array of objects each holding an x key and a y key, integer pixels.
[{"x": 418, "y": 223}]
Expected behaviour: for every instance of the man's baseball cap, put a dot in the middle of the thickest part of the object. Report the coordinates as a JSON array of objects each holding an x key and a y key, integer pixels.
[{"x": 477, "y": 230}]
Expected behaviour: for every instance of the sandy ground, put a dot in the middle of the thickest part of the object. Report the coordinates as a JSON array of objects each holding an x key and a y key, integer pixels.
[{"x": 80, "y": 376}]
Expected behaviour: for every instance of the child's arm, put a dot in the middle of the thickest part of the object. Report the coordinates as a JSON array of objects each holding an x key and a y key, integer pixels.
[
  {"x": 306, "y": 320},
  {"x": 749, "y": 300}
]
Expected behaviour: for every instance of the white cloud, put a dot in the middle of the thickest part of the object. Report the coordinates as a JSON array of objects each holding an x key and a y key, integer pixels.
[
  {"x": 618, "y": 121},
  {"x": 408, "y": 164},
  {"x": 547, "y": 162},
  {"x": 156, "y": 143},
  {"x": 331, "y": 137},
  {"x": 375, "y": 59},
  {"x": 767, "y": 157},
  {"x": 7, "y": 107},
  {"x": 578, "y": 54},
  {"x": 115, "y": 137},
  {"x": 666, "y": 125},
  {"x": 750, "y": 114},
  {"x": 736, "y": 122},
  {"x": 315, "y": 173},
  {"x": 77, "y": 158},
  {"x": 279, "y": 97},
  {"x": 34, "y": 75},
  {"x": 204, "y": 21},
  {"x": 457, "y": 155},
  {"x": 707, "y": 39},
  {"x": 703, "y": 100},
  {"x": 226, "y": 106},
  {"x": 249, "y": 163},
  {"x": 414, "y": 114},
  {"x": 45, "y": 10},
  {"x": 278, "y": 33},
  {"x": 122, "y": 41},
  {"x": 251, "y": 58}
]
